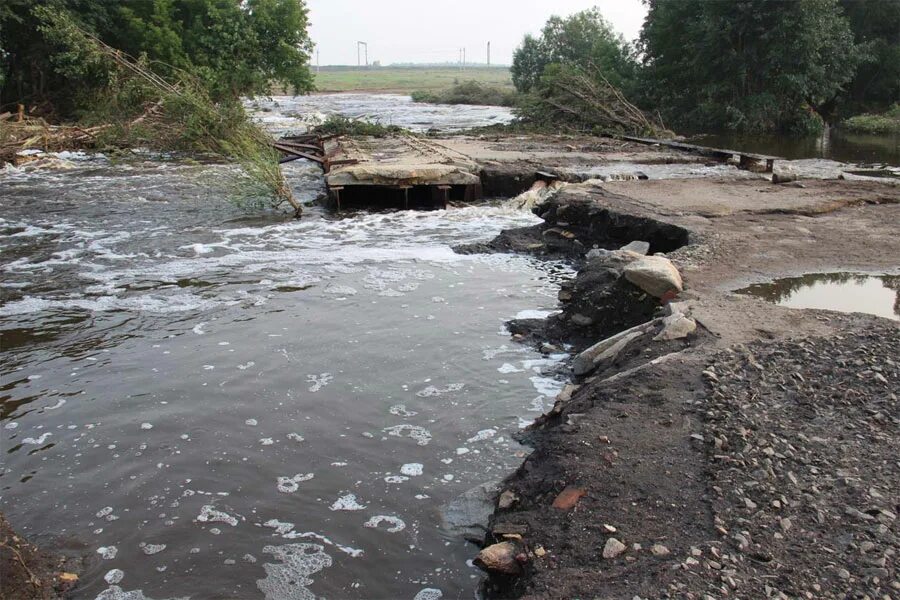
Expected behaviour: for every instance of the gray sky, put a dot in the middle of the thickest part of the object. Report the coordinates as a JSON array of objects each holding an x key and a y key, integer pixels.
[{"x": 434, "y": 30}]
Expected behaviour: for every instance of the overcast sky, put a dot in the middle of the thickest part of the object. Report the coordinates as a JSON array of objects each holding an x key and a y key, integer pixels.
[{"x": 434, "y": 30}]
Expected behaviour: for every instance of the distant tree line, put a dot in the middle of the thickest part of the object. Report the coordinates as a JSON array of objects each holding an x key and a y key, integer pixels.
[
  {"x": 233, "y": 47},
  {"x": 748, "y": 65}
]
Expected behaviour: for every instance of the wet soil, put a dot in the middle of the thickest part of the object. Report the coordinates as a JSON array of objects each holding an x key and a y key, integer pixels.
[
  {"x": 29, "y": 572},
  {"x": 756, "y": 458}
]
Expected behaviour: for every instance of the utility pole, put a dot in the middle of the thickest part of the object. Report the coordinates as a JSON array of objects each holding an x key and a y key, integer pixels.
[
  {"x": 366, "y": 47},
  {"x": 489, "y": 55},
  {"x": 464, "y": 59}
]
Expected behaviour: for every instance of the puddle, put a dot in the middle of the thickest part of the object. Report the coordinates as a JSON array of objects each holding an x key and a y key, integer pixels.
[{"x": 844, "y": 292}]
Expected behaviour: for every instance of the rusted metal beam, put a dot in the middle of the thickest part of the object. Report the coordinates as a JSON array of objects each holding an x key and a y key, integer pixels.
[{"x": 299, "y": 154}]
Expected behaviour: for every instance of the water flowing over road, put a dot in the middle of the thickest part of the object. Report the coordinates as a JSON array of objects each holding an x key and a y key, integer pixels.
[{"x": 214, "y": 404}]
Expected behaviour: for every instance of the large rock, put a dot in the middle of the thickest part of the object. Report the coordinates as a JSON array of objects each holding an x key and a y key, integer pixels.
[
  {"x": 656, "y": 275},
  {"x": 500, "y": 558},
  {"x": 468, "y": 514},
  {"x": 606, "y": 351},
  {"x": 676, "y": 327}
]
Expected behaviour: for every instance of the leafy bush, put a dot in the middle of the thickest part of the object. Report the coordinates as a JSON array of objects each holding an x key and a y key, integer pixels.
[
  {"x": 888, "y": 122},
  {"x": 341, "y": 125},
  {"x": 469, "y": 92}
]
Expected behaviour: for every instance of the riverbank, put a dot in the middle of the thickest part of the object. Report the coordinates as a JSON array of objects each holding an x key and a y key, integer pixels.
[
  {"x": 27, "y": 571},
  {"x": 753, "y": 455}
]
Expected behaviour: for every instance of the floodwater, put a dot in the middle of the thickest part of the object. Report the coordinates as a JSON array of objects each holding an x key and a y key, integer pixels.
[
  {"x": 843, "y": 292},
  {"x": 210, "y": 404},
  {"x": 833, "y": 145},
  {"x": 281, "y": 113}
]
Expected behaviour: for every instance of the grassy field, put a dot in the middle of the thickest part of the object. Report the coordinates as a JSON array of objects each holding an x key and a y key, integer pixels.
[{"x": 408, "y": 79}]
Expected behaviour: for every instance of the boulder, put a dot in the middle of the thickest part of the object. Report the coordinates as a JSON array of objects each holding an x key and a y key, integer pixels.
[
  {"x": 499, "y": 558},
  {"x": 637, "y": 246},
  {"x": 676, "y": 327},
  {"x": 469, "y": 513},
  {"x": 606, "y": 351},
  {"x": 655, "y": 275}
]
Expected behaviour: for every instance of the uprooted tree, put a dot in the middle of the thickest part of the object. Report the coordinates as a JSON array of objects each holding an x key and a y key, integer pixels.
[
  {"x": 583, "y": 99},
  {"x": 577, "y": 75}
]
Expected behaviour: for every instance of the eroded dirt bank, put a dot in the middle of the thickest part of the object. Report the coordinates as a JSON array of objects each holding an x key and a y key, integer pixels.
[{"x": 753, "y": 455}]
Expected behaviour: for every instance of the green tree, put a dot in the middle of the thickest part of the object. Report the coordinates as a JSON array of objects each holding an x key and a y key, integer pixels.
[
  {"x": 234, "y": 47},
  {"x": 583, "y": 40},
  {"x": 876, "y": 27},
  {"x": 749, "y": 65}
]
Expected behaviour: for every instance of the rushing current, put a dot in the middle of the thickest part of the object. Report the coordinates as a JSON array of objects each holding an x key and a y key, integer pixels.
[{"x": 209, "y": 403}]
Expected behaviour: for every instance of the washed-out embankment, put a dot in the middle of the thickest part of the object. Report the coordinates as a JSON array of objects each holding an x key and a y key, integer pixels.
[{"x": 708, "y": 445}]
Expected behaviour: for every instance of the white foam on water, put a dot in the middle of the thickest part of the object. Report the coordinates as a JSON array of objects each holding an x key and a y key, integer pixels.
[
  {"x": 246, "y": 366},
  {"x": 400, "y": 410},
  {"x": 146, "y": 426},
  {"x": 340, "y": 290},
  {"x": 209, "y": 514},
  {"x": 412, "y": 469},
  {"x": 534, "y": 314},
  {"x": 114, "y": 576},
  {"x": 114, "y": 592},
  {"x": 251, "y": 422},
  {"x": 107, "y": 510},
  {"x": 295, "y": 437},
  {"x": 151, "y": 549},
  {"x": 509, "y": 368},
  {"x": 319, "y": 381},
  {"x": 546, "y": 386},
  {"x": 461, "y": 451},
  {"x": 280, "y": 527},
  {"x": 420, "y": 434},
  {"x": 58, "y": 404},
  {"x": 289, "y": 485},
  {"x": 396, "y": 524},
  {"x": 11, "y": 425},
  {"x": 145, "y": 303},
  {"x": 266, "y": 441},
  {"x": 107, "y": 552},
  {"x": 482, "y": 435},
  {"x": 294, "y": 535},
  {"x": 395, "y": 479},
  {"x": 288, "y": 578},
  {"x": 347, "y": 502},
  {"x": 537, "y": 405},
  {"x": 198, "y": 328},
  {"x": 38, "y": 440},
  {"x": 431, "y": 390},
  {"x": 429, "y": 594}
]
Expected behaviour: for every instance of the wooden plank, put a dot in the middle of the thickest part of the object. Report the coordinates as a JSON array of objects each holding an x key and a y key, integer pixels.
[{"x": 697, "y": 149}]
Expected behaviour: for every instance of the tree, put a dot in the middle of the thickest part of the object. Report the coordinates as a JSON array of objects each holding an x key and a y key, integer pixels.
[
  {"x": 234, "y": 47},
  {"x": 749, "y": 65},
  {"x": 876, "y": 28},
  {"x": 583, "y": 40}
]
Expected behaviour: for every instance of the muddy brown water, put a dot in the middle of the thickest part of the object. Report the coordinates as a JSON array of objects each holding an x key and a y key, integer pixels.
[
  {"x": 220, "y": 405},
  {"x": 843, "y": 292}
]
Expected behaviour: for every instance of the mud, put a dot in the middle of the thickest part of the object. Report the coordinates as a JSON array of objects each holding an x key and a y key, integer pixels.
[
  {"x": 30, "y": 572},
  {"x": 754, "y": 458}
]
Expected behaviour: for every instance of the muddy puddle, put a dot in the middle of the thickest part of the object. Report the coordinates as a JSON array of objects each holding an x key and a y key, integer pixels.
[
  {"x": 214, "y": 404},
  {"x": 843, "y": 292}
]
